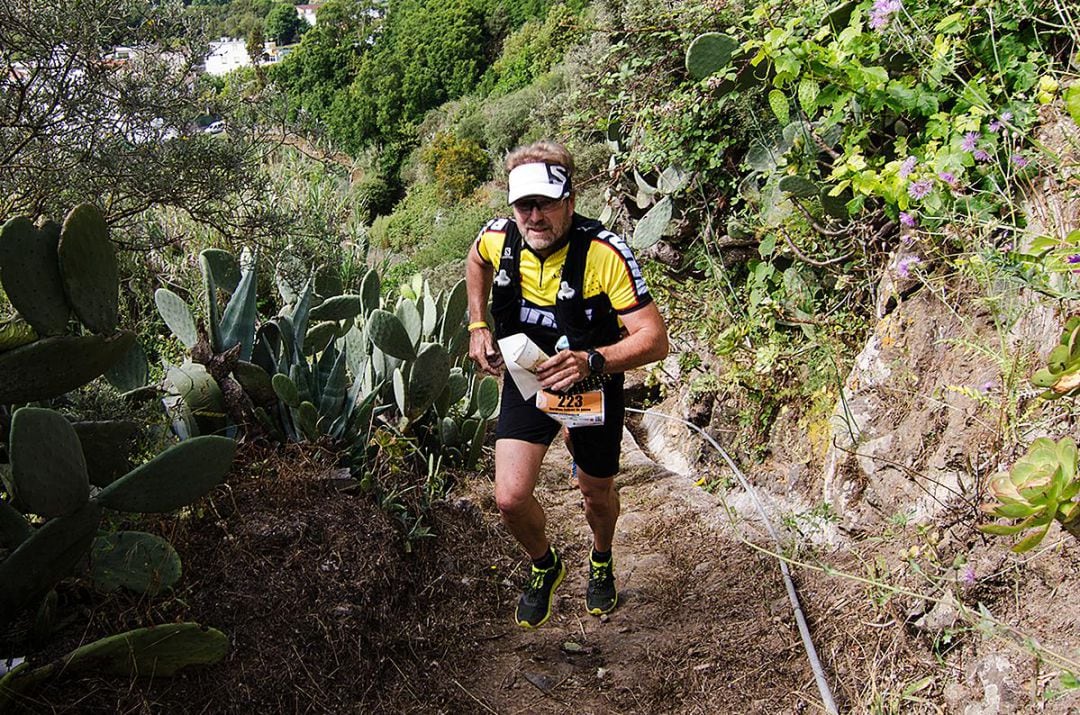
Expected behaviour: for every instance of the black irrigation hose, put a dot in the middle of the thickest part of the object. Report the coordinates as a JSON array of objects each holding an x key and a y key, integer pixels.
[{"x": 793, "y": 596}]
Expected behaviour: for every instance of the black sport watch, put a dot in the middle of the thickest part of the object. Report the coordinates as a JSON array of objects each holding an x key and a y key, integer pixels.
[{"x": 596, "y": 362}]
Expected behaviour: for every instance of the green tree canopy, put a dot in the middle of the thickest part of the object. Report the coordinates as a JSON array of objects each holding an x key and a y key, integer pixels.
[{"x": 283, "y": 24}]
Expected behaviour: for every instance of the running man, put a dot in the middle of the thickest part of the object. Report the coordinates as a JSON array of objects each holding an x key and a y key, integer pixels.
[{"x": 577, "y": 291}]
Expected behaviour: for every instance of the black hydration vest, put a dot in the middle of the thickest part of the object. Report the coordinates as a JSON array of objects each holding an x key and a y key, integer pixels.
[{"x": 586, "y": 324}]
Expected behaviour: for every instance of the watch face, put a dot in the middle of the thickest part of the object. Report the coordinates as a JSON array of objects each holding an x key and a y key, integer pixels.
[{"x": 596, "y": 361}]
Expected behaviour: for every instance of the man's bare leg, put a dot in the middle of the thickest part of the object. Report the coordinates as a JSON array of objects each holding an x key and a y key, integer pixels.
[
  {"x": 601, "y": 508},
  {"x": 517, "y": 466}
]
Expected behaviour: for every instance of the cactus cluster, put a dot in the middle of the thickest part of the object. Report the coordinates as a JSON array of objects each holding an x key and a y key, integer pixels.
[
  {"x": 1041, "y": 487},
  {"x": 205, "y": 391},
  {"x": 58, "y": 278},
  {"x": 48, "y": 477},
  {"x": 1061, "y": 376}
]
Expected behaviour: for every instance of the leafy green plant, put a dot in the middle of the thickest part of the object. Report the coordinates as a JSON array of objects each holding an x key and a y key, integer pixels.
[
  {"x": 1061, "y": 376},
  {"x": 1041, "y": 487}
]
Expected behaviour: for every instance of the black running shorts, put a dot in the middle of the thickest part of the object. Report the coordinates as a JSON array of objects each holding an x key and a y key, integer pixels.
[{"x": 596, "y": 449}]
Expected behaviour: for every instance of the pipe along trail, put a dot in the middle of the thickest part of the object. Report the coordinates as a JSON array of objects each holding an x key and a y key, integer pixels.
[{"x": 793, "y": 596}]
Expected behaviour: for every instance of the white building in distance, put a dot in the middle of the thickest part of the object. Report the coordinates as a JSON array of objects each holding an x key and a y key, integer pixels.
[
  {"x": 226, "y": 55},
  {"x": 307, "y": 13}
]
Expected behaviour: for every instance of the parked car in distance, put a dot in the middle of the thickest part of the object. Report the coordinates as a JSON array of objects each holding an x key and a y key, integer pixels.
[{"x": 215, "y": 127}]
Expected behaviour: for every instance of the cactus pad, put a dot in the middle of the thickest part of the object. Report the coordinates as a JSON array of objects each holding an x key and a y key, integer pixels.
[
  {"x": 370, "y": 291},
  {"x": 410, "y": 317},
  {"x": 47, "y": 464},
  {"x": 130, "y": 372},
  {"x": 157, "y": 651},
  {"x": 50, "y": 367},
  {"x": 457, "y": 304},
  {"x": 47, "y": 556},
  {"x": 256, "y": 382},
  {"x": 88, "y": 268},
  {"x": 487, "y": 398},
  {"x": 709, "y": 53},
  {"x": 175, "y": 478},
  {"x": 30, "y": 273},
  {"x": 427, "y": 378},
  {"x": 285, "y": 388},
  {"x": 337, "y": 308},
  {"x": 319, "y": 337},
  {"x": 177, "y": 315},
  {"x": 328, "y": 281},
  {"x": 134, "y": 560},
  {"x": 652, "y": 225},
  {"x": 387, "y": 333}
]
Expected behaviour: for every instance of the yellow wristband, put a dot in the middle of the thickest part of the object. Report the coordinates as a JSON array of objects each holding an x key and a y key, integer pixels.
[{"x": 477, "y": 325}]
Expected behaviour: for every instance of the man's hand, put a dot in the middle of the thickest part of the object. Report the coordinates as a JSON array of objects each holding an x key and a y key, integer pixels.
[
  {"x": 562, "y": 371},
  {"x": 485, "y": 352}
]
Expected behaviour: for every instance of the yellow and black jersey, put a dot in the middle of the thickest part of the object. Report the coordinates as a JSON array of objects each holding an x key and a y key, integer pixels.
[{"x": 610, "y": 269}]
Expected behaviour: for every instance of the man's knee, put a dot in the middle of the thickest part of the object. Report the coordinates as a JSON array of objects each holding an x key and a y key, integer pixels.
[
  {"x": 512, "y": 502},
  {"x": 596, "y": 490}
]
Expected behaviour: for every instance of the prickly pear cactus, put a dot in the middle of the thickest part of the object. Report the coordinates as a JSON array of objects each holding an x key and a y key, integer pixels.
[
  {"x": 45, "y": 557},
  {"x": 387, "y": 332},
  {"x": 177, "y": 315},
  {"x": 650, "y": 229},
  {"x": 173, "y": 479},
  {"x": 88, "y": 268},
  {"x": 51, "y": 366},
  {"x": 135, "y": 560},
  {"x": 47, "y": 464},
  {"x": 30, "y": 274},
  {"x": 799, "y": 186},
  {"x": 709, "y": 53}
]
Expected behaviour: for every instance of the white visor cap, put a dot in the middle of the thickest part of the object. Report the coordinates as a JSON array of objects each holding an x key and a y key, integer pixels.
[{"x": 538, "y": 179}]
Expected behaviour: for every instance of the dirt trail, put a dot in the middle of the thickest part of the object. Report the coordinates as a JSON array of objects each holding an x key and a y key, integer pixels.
[
  {"x": 703, "y": 625},
  {"x": 327, "y": 614}
]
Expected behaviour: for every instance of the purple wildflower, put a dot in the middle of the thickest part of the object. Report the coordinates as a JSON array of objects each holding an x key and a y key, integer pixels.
[
  {"x": 994, "y": 126},
  {"x": 970, "y": 141},
  {"x": 1074, "y": 258},
  {"x": 881, "y": 14},
  {"x": 948, "y": 177},
  {"x": 907, "y": 219},
  {"x": 981, "y": 155},
  {"x": 903, "y": 266},
  {"x": 1006, "y": 116},
  {"x": 907, "y": 167},
  {"x": 919, "y": 189},
  {"x": 1019, "y": 160},
  {"x": 968, "y": 577},
  {"x": 987, "y": 387}
]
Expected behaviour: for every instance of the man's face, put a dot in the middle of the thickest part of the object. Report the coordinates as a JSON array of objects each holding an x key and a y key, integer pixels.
[{"x": 543, "y": 222}]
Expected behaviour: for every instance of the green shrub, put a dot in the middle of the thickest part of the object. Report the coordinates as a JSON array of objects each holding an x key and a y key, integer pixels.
[{"x": 458, "y": 165}]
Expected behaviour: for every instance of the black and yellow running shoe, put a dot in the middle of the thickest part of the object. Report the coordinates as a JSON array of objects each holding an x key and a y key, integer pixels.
[
  {"x": 534, "y": 606},
  {"x": 600, "y": 595}
]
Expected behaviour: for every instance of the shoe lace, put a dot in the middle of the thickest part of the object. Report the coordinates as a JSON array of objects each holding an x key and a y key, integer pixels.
[
  {"x": 536, "y": 580},
  {"x": 599, "y": 572}
]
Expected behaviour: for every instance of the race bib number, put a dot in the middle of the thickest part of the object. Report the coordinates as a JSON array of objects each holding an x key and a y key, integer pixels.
[{"x": 583, "y": 409}]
